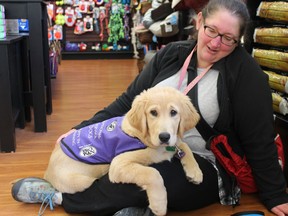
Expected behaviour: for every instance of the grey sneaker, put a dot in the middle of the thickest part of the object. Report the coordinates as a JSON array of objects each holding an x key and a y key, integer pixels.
[
  {"x": 134, "y": 211},
  {"x": 34, "y": 190}
]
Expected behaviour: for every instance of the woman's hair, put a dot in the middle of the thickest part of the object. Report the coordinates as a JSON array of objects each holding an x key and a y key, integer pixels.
[{"x": 235, "y": 7}]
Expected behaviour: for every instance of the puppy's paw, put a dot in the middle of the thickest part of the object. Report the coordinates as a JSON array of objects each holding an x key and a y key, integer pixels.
[
  {"x": 159, "y": 210},
  {"x": 194, "y": 175}
]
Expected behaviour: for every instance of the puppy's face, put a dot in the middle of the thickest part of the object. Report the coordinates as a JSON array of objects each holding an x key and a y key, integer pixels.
[
  {"x": 163, "y": 119},
  {"x": 160, "y": 115}
]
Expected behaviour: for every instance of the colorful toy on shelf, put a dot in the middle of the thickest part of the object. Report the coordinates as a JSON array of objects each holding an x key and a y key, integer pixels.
[
  {"x": 96, "y": 13},
  {"x": 116, "y": 24},
  {"x": 125, "y": 2},
  {"x": 59, "y": 19},
  {"x": 76, "y": 3},
  {"x": 68, "y": 2},
  {"x": 57, "y": 32},
  {"x": 97, "y": 47},
  {"x": 71, "y": 46},
  {"x": 82, "y": 46},
  {"x": 108, "y": 6},
  {"x": 78, "y": 14},
  {"x": 88, "y": 24},
  {"x": 102, "y": 17},
  {"x": 99, "y": 2},
  {"x": 83, "y": 6},
  {"x": 126, "y": 18},
  {"x": 59, "y": 2},
  {"x": 105, "y": 47},
  {"x": 90, "y": 6},
  {"x": 70, "y": 17},
  {"x": 50, "y": 11},
  {"x": 50, "y": 33},
  {"x": 79, "y": 27}
]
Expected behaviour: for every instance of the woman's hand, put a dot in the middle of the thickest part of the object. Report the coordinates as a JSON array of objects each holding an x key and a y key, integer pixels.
[
  {"x": 64, "y": 135},
  {"x": 280, "y": 210}
]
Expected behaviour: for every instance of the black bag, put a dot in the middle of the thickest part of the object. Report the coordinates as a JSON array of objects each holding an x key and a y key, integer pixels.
[{"x": 161, "y": 12}]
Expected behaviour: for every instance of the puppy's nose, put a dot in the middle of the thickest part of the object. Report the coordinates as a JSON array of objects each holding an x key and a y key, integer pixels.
[{"x": 164, "y": 137}]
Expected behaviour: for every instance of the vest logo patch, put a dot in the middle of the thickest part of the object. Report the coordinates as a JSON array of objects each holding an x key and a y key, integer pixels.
[
  {"x": 87, "y": 151},
  {"x": 112, "y": 126}
]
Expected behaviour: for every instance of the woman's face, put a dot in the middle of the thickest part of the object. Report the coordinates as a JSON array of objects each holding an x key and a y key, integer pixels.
[{"x": 210, "y": 50}]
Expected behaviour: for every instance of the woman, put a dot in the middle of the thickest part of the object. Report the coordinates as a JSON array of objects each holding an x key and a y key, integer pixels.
[{"x": 227, "y": 98}]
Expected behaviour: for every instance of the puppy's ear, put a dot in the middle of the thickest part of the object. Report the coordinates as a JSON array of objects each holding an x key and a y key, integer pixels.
[
  {"x": 189, "y": 116},
  {"x": 136, "y": 115}
]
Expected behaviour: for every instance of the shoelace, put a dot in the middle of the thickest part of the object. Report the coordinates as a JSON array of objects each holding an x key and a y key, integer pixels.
[{"x": 46, "y": 201}]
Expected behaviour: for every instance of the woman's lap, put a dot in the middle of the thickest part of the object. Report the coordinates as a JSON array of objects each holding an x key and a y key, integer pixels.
[{"x": 105, "y": 198}]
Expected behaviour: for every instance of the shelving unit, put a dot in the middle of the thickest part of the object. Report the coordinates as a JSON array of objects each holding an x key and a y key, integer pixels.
[
  {"x": 267, "y": 41},
  {"x": 95, "y": 41},
  {"x": 37, "y": 84},
  {"x": 11, "y": 93}
]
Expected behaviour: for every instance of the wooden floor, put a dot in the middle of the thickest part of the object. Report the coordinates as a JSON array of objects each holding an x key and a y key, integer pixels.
[{"x": 80, "y": 89}]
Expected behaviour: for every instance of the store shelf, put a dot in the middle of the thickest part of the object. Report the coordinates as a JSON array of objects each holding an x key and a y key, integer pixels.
[{"x": 98, "y": 55}]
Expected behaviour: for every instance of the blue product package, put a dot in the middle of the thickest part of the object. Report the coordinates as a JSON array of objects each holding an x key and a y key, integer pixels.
[{"x": 23, "y": 25}]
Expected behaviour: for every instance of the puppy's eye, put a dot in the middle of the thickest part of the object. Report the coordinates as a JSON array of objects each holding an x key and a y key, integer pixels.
[
  {"x": 173, "y": 113},
  {"x": 154, "y": 113}
]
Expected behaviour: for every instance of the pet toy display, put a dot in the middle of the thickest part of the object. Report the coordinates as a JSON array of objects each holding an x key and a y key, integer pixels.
[{"x": 103, "y": 22}]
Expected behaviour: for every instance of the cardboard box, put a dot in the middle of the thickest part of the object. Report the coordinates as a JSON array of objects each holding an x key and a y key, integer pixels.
[{"x": 12, "y": 26}]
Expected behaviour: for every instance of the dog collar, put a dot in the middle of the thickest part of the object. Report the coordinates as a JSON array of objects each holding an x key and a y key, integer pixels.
[{"x": 179, "y": 152}]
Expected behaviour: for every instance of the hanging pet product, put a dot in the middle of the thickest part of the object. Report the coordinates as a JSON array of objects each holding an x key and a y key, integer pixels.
[
  {"x": 102, "y": 17},
  {"x": 275, "y": 36},
  {"x": 76, "y": 3},
  {"x": 96, "y": 13},
  {"x": 116, "y": 24},
  {"x": 78, "y": 14},
  {"x": 126, "y": 19},
  {"x": 277, "y": 82},
  {"x": 99, "y": 2},
  {"x": 59, "y": 19},
  {"x": 273, "y": 10},
  {"x": 271, "y": 58},
  {"x": 70, "y": 17},
  {"x": 83, "y": 5},
  {"x": 57, "y": 32},
  {"x": 108, "y": 10},
  {"x": 88, "y": 24},
  {"x": 61, "y": 2},
  {"x": 79, "y": 27},
  {"x": 90, "y": 6}
]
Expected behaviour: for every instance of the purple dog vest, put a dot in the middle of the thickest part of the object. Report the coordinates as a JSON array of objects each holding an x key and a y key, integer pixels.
[{"x": 99, "y": 143}]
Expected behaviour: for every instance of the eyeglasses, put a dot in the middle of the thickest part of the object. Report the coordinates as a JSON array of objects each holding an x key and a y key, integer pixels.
[{"x": 213, "y": 33}]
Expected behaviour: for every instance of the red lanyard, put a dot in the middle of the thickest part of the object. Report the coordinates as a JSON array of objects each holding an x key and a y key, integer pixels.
[{"x": 184, "y": 71}]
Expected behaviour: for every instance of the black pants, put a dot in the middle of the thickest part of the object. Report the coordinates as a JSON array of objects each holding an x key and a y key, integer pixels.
[{"x": 105, "y": 198}]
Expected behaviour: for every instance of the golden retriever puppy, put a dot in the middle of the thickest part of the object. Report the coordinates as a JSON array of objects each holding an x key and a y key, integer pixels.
[{"x": 153, "y": 129}]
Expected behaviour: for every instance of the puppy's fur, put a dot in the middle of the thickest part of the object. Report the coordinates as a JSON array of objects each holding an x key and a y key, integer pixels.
[{"x": 158, "y": 117}]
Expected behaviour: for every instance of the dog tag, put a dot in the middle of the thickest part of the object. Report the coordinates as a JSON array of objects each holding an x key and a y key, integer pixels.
[{"x": 179, "y": 154}]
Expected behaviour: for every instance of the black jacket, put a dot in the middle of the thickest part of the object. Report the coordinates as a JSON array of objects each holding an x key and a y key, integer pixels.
[{"x": 245, "y": 105}]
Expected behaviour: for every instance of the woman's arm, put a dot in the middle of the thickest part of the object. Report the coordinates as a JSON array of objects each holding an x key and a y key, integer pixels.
[{"x": 254, "y": 124}]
